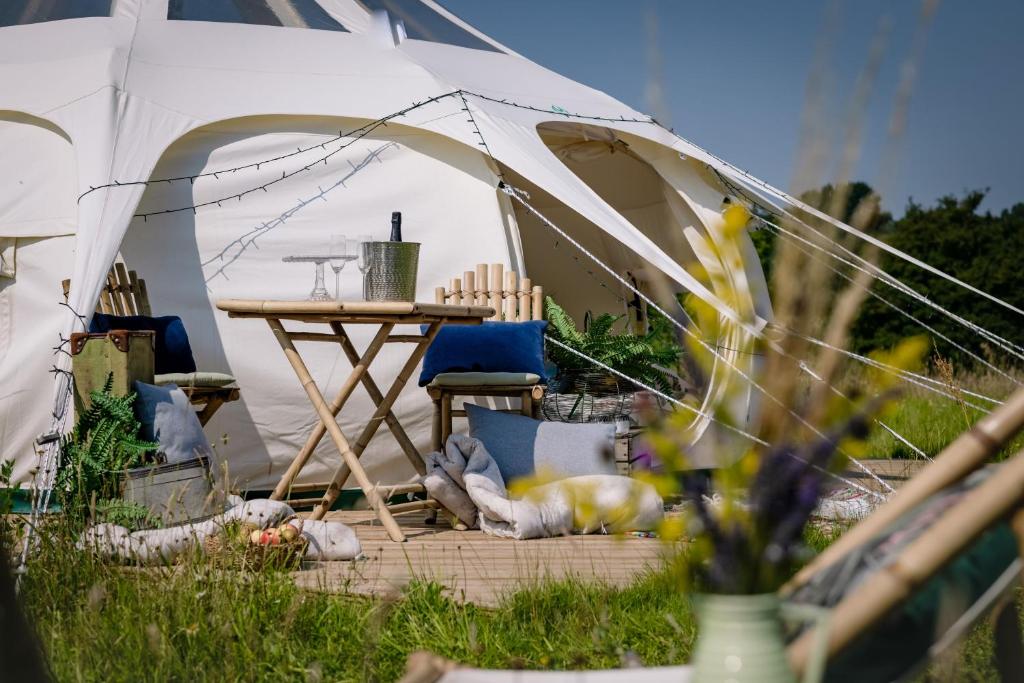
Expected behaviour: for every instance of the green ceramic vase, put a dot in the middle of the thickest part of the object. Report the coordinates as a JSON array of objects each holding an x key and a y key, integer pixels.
[{"x": 739, "y": 640}]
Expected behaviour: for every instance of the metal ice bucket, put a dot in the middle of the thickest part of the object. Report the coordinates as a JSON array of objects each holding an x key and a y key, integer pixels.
[{"x": 392, "y": 272}]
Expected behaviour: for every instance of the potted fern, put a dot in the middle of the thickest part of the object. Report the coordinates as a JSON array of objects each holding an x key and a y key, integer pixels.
[{"x": 586, "y": 391}]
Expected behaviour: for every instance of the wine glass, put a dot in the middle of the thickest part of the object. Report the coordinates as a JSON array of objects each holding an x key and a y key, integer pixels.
[
  {"x": 339, "y": 256},
  {"x": 363, "y": 256}
]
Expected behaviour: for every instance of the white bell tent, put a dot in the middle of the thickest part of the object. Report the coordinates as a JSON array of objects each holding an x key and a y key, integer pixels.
[{"x": 201, "y": 141}]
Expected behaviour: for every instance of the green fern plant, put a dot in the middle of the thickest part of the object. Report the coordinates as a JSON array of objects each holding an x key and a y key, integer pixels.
[
  {"x": 126, "y": 513},
  {"x": 640, "y": 357},
  {"x": 94, "y": 455}
]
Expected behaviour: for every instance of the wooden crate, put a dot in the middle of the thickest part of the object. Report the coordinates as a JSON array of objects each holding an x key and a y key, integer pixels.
[
  {"x": 125, "y": 355},
  {"x": 176, "y": 493}
]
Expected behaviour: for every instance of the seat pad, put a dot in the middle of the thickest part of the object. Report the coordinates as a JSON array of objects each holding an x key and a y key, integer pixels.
[
  {"x": 484, "y": 379},
  {"x": 195, "y": 379}
]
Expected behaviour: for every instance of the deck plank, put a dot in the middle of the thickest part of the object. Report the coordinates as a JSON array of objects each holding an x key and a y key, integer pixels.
[{"x": 475, "y": 567}]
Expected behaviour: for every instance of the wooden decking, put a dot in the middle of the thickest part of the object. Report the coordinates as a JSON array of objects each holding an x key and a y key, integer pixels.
[{"x": 475, "y": 567}]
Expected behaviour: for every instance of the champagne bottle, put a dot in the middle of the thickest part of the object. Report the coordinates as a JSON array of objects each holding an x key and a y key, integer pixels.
[{"x": 396, "y": 226}]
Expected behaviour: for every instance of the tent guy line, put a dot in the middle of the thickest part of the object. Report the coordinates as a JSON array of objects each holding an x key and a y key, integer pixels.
[
  {"x": 755, "y": 439},
  {"x": 803, "y": 206},
  {"x": 923, "y": 325},
  {"x": 870, "y": 268},
  {"x": 515, "y": 194},
  {"x": 686, "y": 329},
  {"x": 886, "y": 278},
  {"x": 879, "y": 274}
]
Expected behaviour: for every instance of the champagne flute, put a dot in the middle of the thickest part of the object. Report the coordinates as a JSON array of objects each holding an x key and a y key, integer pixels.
[
  {"x": 363, "y": 258},
  {"x": 339, "y": 256}
]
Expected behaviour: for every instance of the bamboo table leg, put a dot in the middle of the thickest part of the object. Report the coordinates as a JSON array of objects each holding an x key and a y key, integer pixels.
[
  {"x": 324, "y": 412},
  {"x": 359, "y": 368},
  {"x": 377, "y": 397},
  {"x": 334, "y": 489}
]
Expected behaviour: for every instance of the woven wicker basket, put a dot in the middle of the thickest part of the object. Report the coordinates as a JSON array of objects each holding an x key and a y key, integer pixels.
[
  {"x": 231, "y": 549},
  {"x": 587, "y": 396}
]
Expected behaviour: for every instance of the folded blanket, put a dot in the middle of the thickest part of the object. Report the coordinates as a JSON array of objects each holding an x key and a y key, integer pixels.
[
  {"x": 466, "y": 481},
  {"x": 327, "y": 540}
]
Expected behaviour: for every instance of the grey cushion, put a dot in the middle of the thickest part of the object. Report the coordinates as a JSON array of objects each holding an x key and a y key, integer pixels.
[
  {"x": 484, "y": 379},
  {"x": 195, "y": 379},
  {"x": 522, "y": 446},
  {"x": 168, "y": 418}
]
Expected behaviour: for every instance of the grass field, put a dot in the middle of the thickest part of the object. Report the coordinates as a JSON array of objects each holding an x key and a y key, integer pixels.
[
  {"x": 931, "y": 422},
  {"x": 194, "y": 623}
]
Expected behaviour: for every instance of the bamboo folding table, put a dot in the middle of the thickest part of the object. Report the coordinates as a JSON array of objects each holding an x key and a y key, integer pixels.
[{"x": 337, "y": 314}]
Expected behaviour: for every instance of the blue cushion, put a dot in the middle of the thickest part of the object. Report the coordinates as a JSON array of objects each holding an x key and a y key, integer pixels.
[
  {"x": 522, "y": 446},
  {"x": 172, "y": 352},
  {"x": 489, "y": 347},
  {"x": 167, "y": 417}
]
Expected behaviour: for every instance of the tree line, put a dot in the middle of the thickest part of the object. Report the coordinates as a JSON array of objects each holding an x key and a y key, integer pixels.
[{"x": 953, "y": 235}]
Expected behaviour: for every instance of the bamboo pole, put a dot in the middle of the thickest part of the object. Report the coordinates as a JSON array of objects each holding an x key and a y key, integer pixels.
[
  {"x": 350, "y": 459},
  {"x": 970, "y": 450},
  {"x": 375, "y": 394},
  {"x": 359, "y": 368},
  {"x": 509, "y": 296},
  {"x": 524, "y": 300},
  {"x": 954, "y": 531},
  {"x": 538, "y": 302},
  {"x": 494, "y": 288},
  {"x": 386, "y": 491},
  {"x": 456, "y": 290},
  {"x": 468, "y": 288},
  {"x": 124, "y": 289},
  {"x": 413, "y": 505},
  {"x": 481, "y": 284},
  {"x": 112, "y": 296},
  {"x": 141, "y": 302},
  {"x": 439, "y": 295},
  {"x": 350, "y": 465},
  {"x": 446, "y": 417}
]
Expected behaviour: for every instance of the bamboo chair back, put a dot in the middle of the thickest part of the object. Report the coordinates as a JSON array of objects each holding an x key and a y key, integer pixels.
[
  {"x": 123, "y": 293},
  {"x": 512, "y": 299},
  {"x": 996, "y": 499}
]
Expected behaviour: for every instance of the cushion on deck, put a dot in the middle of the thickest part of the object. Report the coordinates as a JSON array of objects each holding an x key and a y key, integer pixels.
[
  {"x": 195, "y": 379},
  {"x": 172, "y": 352},
  {"x": 485, "y": 379},
  {"x": 522, "y": 446},
  {"x": 488, "y": 347}
]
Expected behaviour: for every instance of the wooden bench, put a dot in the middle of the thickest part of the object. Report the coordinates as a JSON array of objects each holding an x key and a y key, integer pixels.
[{"x": 125, "y": 293}]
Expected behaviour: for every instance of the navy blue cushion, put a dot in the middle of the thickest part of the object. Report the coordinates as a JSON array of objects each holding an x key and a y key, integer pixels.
[
  {"x": 172, "y": 353},
  {"x": 489, "y": 347}
]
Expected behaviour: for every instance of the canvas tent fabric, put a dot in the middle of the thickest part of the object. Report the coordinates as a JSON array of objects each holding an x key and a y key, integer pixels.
[{"x": 97, "y": 96}]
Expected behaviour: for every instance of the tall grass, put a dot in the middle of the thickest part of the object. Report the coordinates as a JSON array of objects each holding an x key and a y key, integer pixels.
[
  {"x": 931, "y": 422},
  {"x": 192, "y": 622}
]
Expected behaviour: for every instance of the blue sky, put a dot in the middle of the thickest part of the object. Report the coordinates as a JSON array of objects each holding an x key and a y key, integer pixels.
[{"x": 734, "y": 77}]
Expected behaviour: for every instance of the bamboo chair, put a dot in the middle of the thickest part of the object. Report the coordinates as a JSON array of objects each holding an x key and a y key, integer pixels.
[
  {"x": 513, "y": 301},
  {"x": 996, "y": 501},
  {"x": 125, "y": 293}
]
